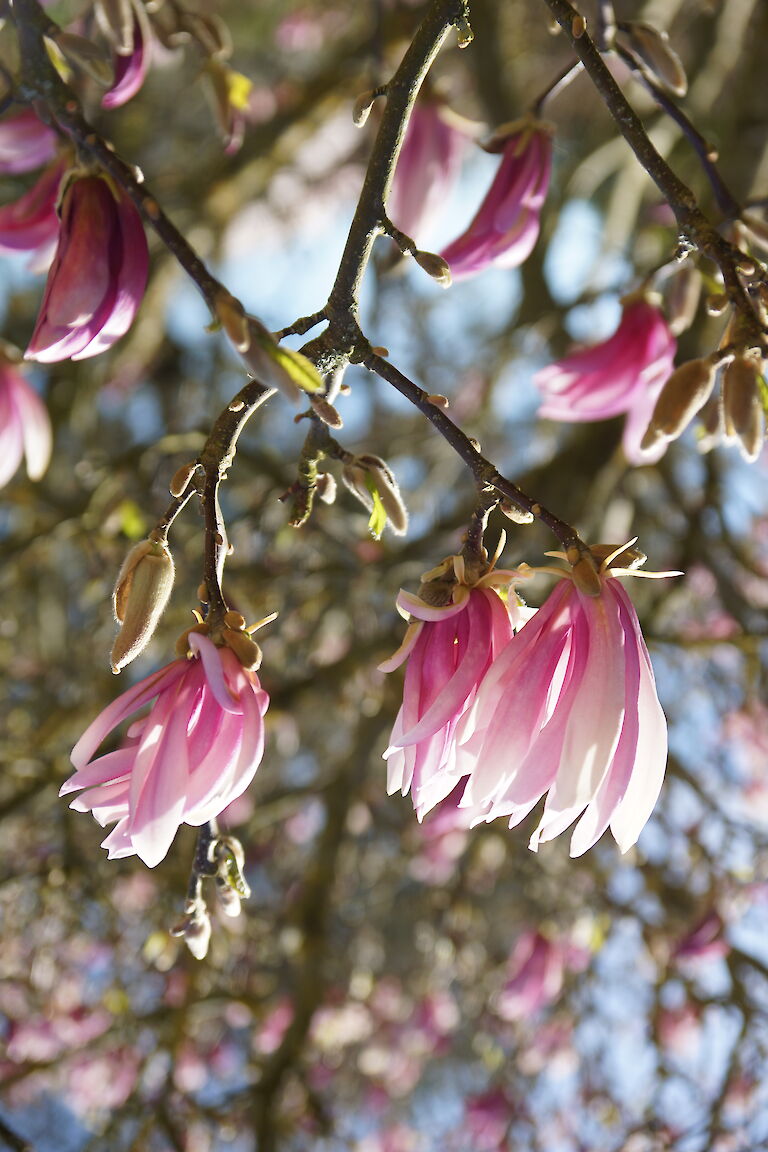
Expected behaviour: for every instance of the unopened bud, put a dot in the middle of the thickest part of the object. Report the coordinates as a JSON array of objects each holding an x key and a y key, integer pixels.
[
  {"x": 365, "y": 474},
  {"x": 234, "y": 620},
  {"x": 517, "y": 515},
  {"x": 325, "y": 486},
  {"x": 435, "y": 267},
  {"x": 231, "y": 315},
  {"x": 656, "y": 55},
  {"x": 742, "y": 410},
  {"x": 464, "y": 32},
  {"x": 141, "y": 593},
  {"x": 86, "y": 56},
  {"x": 181, "y": 478},
  {"x": 195, "y": 928},
  {"x": 717, "y": 302},
  {"x": 231, "y": 884},
  {"x": 683, "y": 297},
  {"x": 361, "y": 109},
  {"x": 326, "y": 411},
  {"x": 439, "y": 400},
  {"x": 687, "y": 390}
]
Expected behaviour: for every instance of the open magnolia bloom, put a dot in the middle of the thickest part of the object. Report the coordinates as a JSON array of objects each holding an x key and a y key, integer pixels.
[
  {"x": 194, "y": 753},
  {"x": 623, "y": 374},
  {"x": 569, "y": 709},
  {"x": 453, "y": 636}
]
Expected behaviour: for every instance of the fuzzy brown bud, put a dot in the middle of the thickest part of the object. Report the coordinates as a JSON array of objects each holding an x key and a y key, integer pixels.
[
  {"x": 246, "y": 649},
  {"x": 181, "y": 478},
  {"x": 326, "y": 411},
  {"x": 366, "y": 471},
  {"x": 515, "y": 514},
  {"x": 687, "y": 390},
  {"x": 361, "y": 109},
  {"x": 195, "y": 928},
  {"x": 683, "y": 295},
  {"x": 325, "y": 486},
  {"x": 742, "y": 410},
  {"x": 141, "y": 593}
]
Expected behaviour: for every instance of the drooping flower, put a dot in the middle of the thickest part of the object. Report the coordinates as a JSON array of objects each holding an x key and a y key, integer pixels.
[
  {"x": 535, "y": 976},
  {"x": 195, "y": 752},
  {"x": 569, "y": 709},
  {"x": 98, "y": 274},
  {"x": 31, "y": 223},
  {"x": 427, "y": 167},
  {"x": 456, "y": 630},
  {"x": 506, "y": 226},
  {"x": 623, "y": 374},
  {"x": 131, "y": 61},
  {"x": 25, "y": 429},
  {"x": 25, "y": 143}
]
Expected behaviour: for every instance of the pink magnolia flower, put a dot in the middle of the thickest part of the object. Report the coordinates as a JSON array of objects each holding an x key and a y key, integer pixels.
[
  {"x": 197, "y": 750},
  {"x": 624, "y": 373},
  {"x": 131, "y": 67},
  {"x": 25, "y": 143},
  {"x": 705, "y": 940},
  {"x": 536, "y": 970},
  {"x": 427, "y": 167},
  {"x": 98, "y": 274},
  {"x": 25, "y": 429},
  {"x": 449, "y": 649},
  {"x": 506, "y": 226},
  {"x": 31, "y": 222}
]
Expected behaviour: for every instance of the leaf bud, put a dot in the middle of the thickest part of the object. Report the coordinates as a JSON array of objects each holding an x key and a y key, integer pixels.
[
  {"x": 742, "y": 410},
  {"x": 687, "y": 390},
  {"x": 515, "y": 514},
  {"x": 370, "y": 480},
  {"x": 181, "y": 478},
  {"x": 195, "y": 928},
  {"x": 326, "y": 412},
  {"x": 361, "y": 109},
  {"x": 717, "y": 302},
  {"x": 141, "y": 593},
  {"x": 435, "y": 267},
  {"x": 464, "y": 32},
  {"x": 656, "y": 55}
]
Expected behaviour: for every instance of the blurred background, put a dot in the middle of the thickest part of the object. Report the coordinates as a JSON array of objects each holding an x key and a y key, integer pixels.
[{"x": 390, "y": 986}]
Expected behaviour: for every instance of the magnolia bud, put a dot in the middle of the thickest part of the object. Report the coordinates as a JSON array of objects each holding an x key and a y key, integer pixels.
[
  {"x": 195, "y": 928},
  {"x": 683, "y": 296},
  {"x": 366, "y": 472},
  {"x": 326, "y": 411},
  {"x": 361, "y": 109},
  {"x": 742, "y": 410},
  {"x": 325, "y": 486},
  {"x": 517, "y": 515},
  {"x": 181, "y": 478},
  {"x": 141, "y": 593},
  {"x": 435, "y": 267},
  {"x": 687, "y": 390},
  {"x": 656, "y": 55}
]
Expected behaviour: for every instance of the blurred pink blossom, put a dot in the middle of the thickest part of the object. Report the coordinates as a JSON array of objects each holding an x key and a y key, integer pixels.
[
  {"x": 25, "y": 143},
  {"x": 705, "y": 940},
  {"x": 535, "y": 978},
  {"x": 98, "y": 275},
  {"x": 506, "y": 225},
  {"x": 31, "y": 222},
  {"x": 426, "y": 169},
  {"x": 197, "y": 750},
  {"x": 487, "y": 1119},
  {"x": 25, "y": 429},
  {"x": 623, "y": 374}
]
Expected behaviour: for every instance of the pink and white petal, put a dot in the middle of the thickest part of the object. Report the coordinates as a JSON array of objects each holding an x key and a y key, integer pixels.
[
  {"x": 210, "y": 657},
  {"x": 408, "y": 602},
  {"x": 119, "y": 843},
  {"x": 111, "y": 766},
  {"x": 403, "y": 652},
  {"x": 160, "y": 777},
  {"x": 35, "y": 428}
]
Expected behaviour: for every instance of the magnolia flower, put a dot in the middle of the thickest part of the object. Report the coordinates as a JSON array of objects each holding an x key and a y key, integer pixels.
[
  {"x": 195, "y": 752},
  {"x": 535, "y": 976},
  {"x": 569, "y": 709},
  {"x": 31, "y": 222},
  {"x": 506, "y": 226},
  {"x": 426, "y": 169},
  {"x": 449, "y": 648},
  {"x": 98, "y": 274},
  {"x": 25, "y": 430},
  {"x": 624, "y": 373},
  {"x": 25, "y": 143}
]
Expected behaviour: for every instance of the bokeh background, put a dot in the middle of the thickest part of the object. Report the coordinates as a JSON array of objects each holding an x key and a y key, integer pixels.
[{"x": 390, "y": 986}]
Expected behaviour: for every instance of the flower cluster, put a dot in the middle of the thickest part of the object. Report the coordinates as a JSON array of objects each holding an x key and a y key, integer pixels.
[{"x": 563, "y": 705}]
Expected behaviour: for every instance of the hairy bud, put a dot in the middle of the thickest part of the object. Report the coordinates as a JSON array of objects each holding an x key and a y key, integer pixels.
[
  {"x": 742, "y": 410},
  {"x": 515, "y": 514},
  {"x": 687, "y": 390},
  {"x": 326, "y": 411},
  {"x": 181, "y": 478},
  {"x": 325, "y": 486},
  {"x": 361, "y": 109},
  {"x": 656, "y": 55},
  {"x": 195, "y": 928},
  {"x": 435, "y": 267},
  {"x": 245, "y": 648},
  {"x": 141, "y": 593},
  {"x": 371, "y": 481},
  {"x": 683, "y": 295}
]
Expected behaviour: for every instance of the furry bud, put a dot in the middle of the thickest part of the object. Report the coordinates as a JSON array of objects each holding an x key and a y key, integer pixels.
[
  {"x": 687, "y": 390},
  {"x": 435, "y": 267},
  {"x": 656, "y": 55},
  {"x": 742, "y": 410},
  {"x": 141, "y": 593}
]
